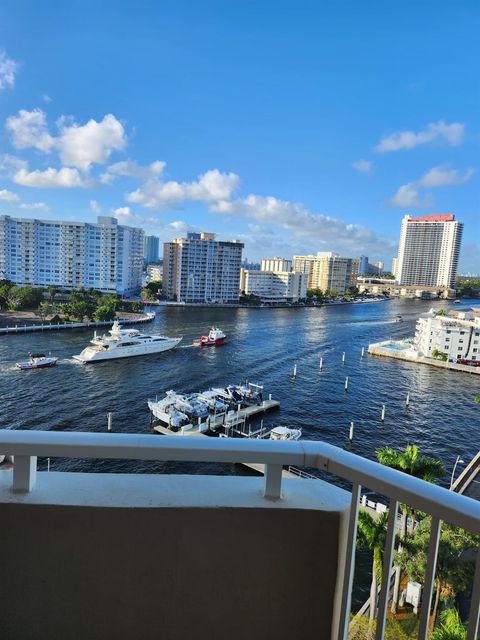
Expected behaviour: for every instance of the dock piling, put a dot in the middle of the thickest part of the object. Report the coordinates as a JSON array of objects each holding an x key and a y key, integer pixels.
[
  {"x": 363, "y": 352},
  {"x": 343, "y": 357},
  {"x": 109, "y": 420},
  {"x": 295, "y": 370},
  {"x": 350, "y": 432},
  {"x": 407, "y": 399},
  {"x": 321, "y": 364},
  {"x": 346, "y": 383},
  {"x": 382, "y": 417}
]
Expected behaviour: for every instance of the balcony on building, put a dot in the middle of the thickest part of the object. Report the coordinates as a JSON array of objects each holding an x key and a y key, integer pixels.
[{"x": 183, "y": 556}]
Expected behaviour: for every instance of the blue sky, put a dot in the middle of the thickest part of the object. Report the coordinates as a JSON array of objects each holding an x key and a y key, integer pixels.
[{"x": 293, "y": 126}]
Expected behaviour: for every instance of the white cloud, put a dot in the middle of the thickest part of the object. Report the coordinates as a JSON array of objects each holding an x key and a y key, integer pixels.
[
  {"x": 8, "y": 196},
  {"x": 95, "y": 207},
  {"x": 212, "y": 188},
  {"x": 11, "y": 164},
  {"x": 29, "y": 129},
  {"x": 400, "y": 140},
  {"x": 321, "y": 232},
  {"x": 363, "y": 166},
  {"x": 83, "y": 145},
  {"x": 64, "y": 178},
  {"x": 34, "y": 205},
  {"x": 46, "y": 98},
  {"x": 179, "y": 226},
  {"x": 126, "y": 216},
  {"x": 131, "y": 169},
  {"x": 408, "y": 195},
  {"x": 8, "y": 68},
  {"x": 78, "y": 146},
  {"x": 443, "y": 176}
]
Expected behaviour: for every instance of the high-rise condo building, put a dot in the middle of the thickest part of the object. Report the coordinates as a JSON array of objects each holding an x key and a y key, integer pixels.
[
  {"x": 276, "y": 265},
  {"x": 333, "y": 273},
  {"x": 327, "y": 270},
  {"x": 304, "y": 264},
  {"x": 105, "y": 256},
  {"x": 199, "y": 268},
  {"x": 151, "y": 247},
  {"x": 429, "y": 250}
]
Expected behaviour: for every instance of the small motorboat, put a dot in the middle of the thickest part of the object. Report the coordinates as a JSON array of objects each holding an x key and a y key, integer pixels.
[
  {"x": 457, "y": 302},
  {"x": 214, "y": 338},
  {"x": 37, "y": 361},
  {"x": 284, "y": 433},
  {"x": 398, "y": 319}
]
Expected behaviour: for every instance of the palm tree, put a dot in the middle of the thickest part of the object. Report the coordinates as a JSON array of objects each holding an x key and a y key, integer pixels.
[
  {"x": 411, "y": 462},
  {"x": 371, "y": 535}
]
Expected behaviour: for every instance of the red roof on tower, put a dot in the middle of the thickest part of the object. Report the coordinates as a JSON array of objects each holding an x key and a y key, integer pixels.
[{"x": 443, "y": 217}]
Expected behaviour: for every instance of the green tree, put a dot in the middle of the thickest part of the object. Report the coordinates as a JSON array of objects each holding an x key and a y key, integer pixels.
[
  {"x": 45, "y": 309},
  {"x": 439, "y": 355},
  {"x": 371, "y": 536},
  {"x": 111, "y": 300},
  {"x": 147, "y": 294},
  {"x": 451, "y": 627},
  {"x": 104, "y": 312},
  {"x": 155, "y": 286},
  {"x": 412, "y": 463},
  {"x": 5, "y": 287},
  {"x": 78, "y": 310},
  {"x": 455, "y": 564},
  {"x": 27, "y": 297},
  {"x": 136, "y": 306},
  {"x": 52, "y": 291}
]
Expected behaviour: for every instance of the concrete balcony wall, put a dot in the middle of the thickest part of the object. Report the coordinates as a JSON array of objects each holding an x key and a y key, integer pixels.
[{"x": 100, "y": 556}]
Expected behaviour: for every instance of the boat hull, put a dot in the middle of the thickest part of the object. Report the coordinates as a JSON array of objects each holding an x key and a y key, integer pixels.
[
  {"x": 208, "y": 343},
  {"x": 25, "y": 366},
  {"x": 127, "y": 352}
]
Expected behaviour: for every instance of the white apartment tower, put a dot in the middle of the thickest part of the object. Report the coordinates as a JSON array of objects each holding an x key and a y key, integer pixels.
[
  {"x": 429, "y": 250},
  {"x": 199, "y": 268},
  {"x": 105, "y": 256}
]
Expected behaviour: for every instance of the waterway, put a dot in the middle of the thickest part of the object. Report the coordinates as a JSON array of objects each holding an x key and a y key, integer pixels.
[{"x": 263, "y": 346}]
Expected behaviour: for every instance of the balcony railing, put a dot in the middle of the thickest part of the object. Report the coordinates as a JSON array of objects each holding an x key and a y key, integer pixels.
[{"x": 441, "y": 504}]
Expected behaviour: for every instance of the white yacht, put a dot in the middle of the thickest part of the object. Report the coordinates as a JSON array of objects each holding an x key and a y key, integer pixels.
[{"x": 124, "y": 343}]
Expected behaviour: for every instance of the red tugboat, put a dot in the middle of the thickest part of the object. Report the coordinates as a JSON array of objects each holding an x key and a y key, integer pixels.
[{"x": 214, "y": 338}]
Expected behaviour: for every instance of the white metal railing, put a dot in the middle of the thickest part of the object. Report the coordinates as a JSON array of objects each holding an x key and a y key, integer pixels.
[{"x": 398, "y": 487}]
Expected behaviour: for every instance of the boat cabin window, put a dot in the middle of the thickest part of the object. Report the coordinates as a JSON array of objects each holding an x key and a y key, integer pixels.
[{"x": 128, "y": 344}]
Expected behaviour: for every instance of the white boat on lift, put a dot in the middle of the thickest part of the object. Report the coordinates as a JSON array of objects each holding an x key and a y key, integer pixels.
[
  {"x": 284, "y": 433},
  {"x": 124, "y": 343}
]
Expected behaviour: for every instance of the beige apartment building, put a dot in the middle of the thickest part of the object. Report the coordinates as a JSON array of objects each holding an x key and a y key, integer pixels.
[{"x": 327, "y": 270}]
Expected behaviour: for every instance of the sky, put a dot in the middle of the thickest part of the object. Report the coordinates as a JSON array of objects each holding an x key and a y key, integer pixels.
[{"x": 295, "y": 127}]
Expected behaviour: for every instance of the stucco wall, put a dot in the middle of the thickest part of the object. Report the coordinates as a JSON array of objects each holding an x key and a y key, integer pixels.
[{"x": 187, "y": 557}]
